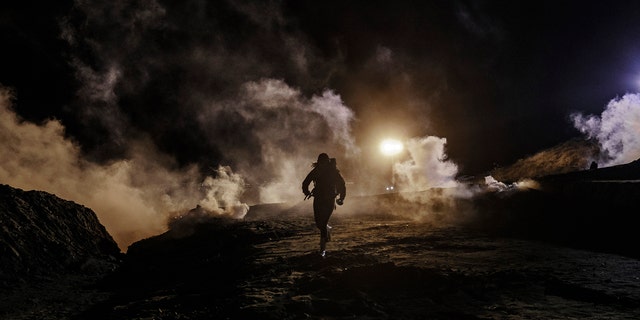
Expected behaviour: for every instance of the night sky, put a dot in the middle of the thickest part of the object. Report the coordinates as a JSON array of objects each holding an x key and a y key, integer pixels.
[{"x": 497, "y": 79}]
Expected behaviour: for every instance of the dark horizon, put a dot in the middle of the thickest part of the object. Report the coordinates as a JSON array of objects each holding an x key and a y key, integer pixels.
[{"x": 498, "y": 81}]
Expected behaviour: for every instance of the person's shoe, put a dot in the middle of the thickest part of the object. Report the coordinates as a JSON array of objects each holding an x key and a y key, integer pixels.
[{"x": 323, "y": 253}]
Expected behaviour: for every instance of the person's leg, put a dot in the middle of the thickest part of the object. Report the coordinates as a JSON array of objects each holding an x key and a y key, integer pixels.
[
  {"x": 320, "y": 216},
  {"x": 322, "y": 211}
]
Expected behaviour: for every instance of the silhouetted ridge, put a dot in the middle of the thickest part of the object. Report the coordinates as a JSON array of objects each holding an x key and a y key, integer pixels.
[
  {"x": 623, "y": 172},
  {"x": 41, "y": 234}
]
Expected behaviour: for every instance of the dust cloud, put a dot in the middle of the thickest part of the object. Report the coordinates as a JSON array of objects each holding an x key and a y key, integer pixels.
[{"x": 133, "y": 198}]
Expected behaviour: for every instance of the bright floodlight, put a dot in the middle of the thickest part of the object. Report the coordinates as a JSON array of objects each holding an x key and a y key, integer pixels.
[{"x": 391, "y": 147}]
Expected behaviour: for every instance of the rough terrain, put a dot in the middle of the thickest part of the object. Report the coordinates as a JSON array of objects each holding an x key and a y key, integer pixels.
[{"x": 566, "y": 249}]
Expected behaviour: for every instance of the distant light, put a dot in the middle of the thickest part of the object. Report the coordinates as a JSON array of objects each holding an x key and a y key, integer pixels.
[{"x": 391, "y": 147}]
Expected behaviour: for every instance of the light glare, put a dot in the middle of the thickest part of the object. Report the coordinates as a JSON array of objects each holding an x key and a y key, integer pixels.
[{"x": 391, "y": 147}]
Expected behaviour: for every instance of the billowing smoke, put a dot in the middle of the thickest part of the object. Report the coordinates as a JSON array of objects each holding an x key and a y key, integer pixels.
[
  {"x": 223, "y": 193},
  {"x": 133, "y": 198},
  {"x": 499, "y": 186},
  {"x": 173, "y": 117},
  {"x": 617, "y": 130},
  {"x": 204, "y": 92},
  {"x": 216, "y": 104},
  {"x": 427, "y": 181},
  {"x": 429, "y": 189},
  {"x": 287, "y": 131},
  {"x": 427, "y": 167}
]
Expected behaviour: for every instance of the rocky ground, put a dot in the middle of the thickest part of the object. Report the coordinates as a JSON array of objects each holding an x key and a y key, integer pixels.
[
  {"x": 404, "y": 270},
  {"x": 375, "y": 269},
  {"x": 50, "y": 251},
  {"x": 567, "y": 250}
]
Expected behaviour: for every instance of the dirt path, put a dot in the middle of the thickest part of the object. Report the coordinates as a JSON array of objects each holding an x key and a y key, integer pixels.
[
  {"x": 376, "y": 268},
  {"x": 401, "y": 269}
]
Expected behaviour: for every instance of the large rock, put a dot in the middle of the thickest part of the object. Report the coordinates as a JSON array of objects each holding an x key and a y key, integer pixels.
[{"x": 41, "y": 235}]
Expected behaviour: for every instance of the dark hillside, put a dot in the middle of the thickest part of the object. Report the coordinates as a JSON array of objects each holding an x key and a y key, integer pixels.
[
  {"x": 43, "y": 235},
  {"x": 591, "y": 209}
]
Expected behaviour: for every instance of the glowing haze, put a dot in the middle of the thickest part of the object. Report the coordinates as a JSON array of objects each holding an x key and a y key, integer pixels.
[
  {"x": 391, "y": 147},
  {"x": 427, "y": 166},
  {"x": 143, "y": 110},
  {"x": 133, "y": 198}
]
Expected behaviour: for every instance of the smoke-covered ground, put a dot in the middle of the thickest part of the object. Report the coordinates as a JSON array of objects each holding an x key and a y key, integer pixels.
[
  {"x": 561, "y": 248},
  {"x": 168, "y": 106},
  {"x": 137, "y": 197}
]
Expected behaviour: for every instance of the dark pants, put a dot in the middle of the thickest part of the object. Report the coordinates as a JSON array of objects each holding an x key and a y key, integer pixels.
[{"x": 322, "y": 209}]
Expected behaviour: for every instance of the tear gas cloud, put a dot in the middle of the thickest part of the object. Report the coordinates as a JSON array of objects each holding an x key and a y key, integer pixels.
[
  {"x": 267, "y": 131},
  {"x": 495, "y": 185},
  {"x": 616, "y": 130},
  {"x": 263, "y": 132},
  {"x": 133, "y": 198},
  {"x": 223, "y": 193},
  {"x": 609, "y": 139},
  {"x": 427, "y": 182},
  {"x": 214, "y": 100},
  {"x": 219, "y": 109},
  {"x": 427, "y": 166},
  {"x": 288, "y": 129}
]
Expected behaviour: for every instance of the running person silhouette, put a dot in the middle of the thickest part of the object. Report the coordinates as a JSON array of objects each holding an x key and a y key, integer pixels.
[{"x": 328, "y": 183}]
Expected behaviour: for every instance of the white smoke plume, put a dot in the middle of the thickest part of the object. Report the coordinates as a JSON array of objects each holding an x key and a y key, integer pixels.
[
  {"x": 223, "y": 194},
  {"x": 133, "y": 198},
  {"x": 617, "y": 130},
  {"x": 427, "y": 180},
  {"x": 215, "y": 97},
  {"x": 146, "y": 73},
  {"x": 498, "y": 186},
  {"x": 428, "y": 166},
  {"x": 285, "y": 130}
]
